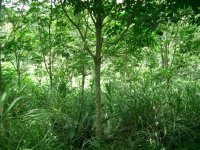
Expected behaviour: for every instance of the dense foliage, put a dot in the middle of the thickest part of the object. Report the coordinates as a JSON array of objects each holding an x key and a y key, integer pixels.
[{"x": 99, "y": 74}]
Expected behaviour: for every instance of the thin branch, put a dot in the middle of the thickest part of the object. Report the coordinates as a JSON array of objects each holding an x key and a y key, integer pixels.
[
  {"x": 45, "y": 63},
  {"x": 70, "y": 19},
  {"x": 175, "y": 46},
  {"x": 88, "y": 50},
  {"x": 111, "y": 17},
  {"x": 77, "y": 27},
  {"x": 104, "y": 24},
  {"x": 90, "y": 13},
  {"x": 87, "y": 24},
  {"x": 121, "y": 36},
  {"x": 119, "y": 39},
  {"x": 87, "y": 27}
]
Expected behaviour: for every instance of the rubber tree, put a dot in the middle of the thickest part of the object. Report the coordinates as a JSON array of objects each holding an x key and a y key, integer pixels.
[
  {"x": 111, "y": 21},
  {"x": 42, "y": 25},
  {"x": 1, "y": 74},
  {"x": 1, "y": 78},
  {"x": 50, "y": 64},
  {"x": 98, "y": 23}
]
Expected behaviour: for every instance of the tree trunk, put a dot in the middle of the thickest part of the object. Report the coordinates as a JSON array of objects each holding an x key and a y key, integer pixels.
[
  {"x": 1, "y": 78},
  {"x": 97, "y": 63},
  {"x": 83, "y": 84},
  {"x": 126, "y": 66},
  {"x": 18, "y": 69},
  {"x": 81, "y": 97},
  {"x": 50, "y": 63},
  {"x": 50, "y": 72}
]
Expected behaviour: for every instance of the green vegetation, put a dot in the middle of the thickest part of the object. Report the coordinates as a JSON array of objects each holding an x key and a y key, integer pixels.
[{"x": 99, "y": 74}]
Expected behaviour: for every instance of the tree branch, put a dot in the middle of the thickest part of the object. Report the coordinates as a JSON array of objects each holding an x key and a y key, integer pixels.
[
  {"x": 87, "y": 23},
  {"x": 121, "y": 36},
  {"x": 77, "y": 27}
]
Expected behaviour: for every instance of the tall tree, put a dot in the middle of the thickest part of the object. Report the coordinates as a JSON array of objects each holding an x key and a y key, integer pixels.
[
  {"x": 1, "y": 78},
  {"x": 109, "y": 18}
]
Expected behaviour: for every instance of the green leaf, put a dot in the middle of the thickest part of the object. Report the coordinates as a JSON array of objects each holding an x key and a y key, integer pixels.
[{"x": 10, "y": 108}]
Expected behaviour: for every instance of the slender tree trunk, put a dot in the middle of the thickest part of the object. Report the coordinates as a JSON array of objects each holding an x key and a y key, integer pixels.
[
  {"x": 18, "y": 69},
  {"x": 97, "y": 63},
  {"x": 98, "y": 21},
  {"x": 162, "y": 58},
  {"x": 1, "y": 74},
  {"x": 50, "y": 72},
  {"x": 83, "y": 84},
  {"x": 166, "y": 61},
  {"x": 81, "y": 96},
  {"x": 165, "y": 65},
  {"x": 1, "y": 85},
  {"x": 50, "y": 49},
  {"x": 125, "y": 66},
  {"x": 3, "y": 126}
]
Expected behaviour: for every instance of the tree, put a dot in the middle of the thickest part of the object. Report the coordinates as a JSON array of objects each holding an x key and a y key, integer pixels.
[
  {"x": 105, "y": 15},
  {"x": 1, "y": 79}
]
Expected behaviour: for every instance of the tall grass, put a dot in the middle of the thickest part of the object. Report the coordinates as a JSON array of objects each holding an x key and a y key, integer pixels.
[{"x": 144, "y": 114}]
